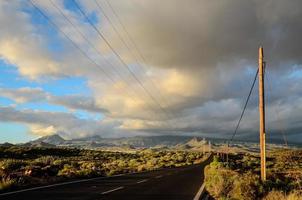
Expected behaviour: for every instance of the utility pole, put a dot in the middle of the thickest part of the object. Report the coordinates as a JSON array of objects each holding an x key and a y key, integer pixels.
[{"x": 262, "y": 115}]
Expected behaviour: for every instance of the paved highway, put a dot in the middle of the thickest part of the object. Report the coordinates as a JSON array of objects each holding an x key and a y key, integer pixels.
[{"x": 177, "y": 183}]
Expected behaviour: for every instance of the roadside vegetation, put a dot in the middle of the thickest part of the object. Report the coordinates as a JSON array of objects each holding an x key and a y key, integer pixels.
[
  {"x": 22, "y": 166},
  {"x": 239, "y": 178}
]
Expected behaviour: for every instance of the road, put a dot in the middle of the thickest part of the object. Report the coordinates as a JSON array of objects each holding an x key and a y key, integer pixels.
[{"x": 175, "y": 183}]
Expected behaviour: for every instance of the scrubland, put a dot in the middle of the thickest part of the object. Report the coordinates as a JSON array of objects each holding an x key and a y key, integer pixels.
[
  {"x": 26, "y": 167},
  {"x": 238, "y": 179}
]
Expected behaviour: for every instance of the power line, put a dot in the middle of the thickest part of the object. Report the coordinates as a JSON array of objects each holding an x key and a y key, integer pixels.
[
  {"x": 126, "y": 45},
  {"x": 109, "y": 78},
  {"x": 92, "y": 45},
  {"x": 120, "y": 58},
  {"x": 72, "y": 42},
  {"x": 125, "y": 30},
  {"x": 245, "y": 105}
]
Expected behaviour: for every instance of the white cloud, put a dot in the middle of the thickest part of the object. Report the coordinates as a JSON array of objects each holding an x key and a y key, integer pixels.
[
  {"x": 73, "y": 102},
  {"x": 197, "y": 53},
  {"x": 39, "y": 130}
]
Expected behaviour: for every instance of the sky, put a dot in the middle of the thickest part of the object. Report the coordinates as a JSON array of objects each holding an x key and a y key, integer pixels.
[{"x": 136, "y": 67}]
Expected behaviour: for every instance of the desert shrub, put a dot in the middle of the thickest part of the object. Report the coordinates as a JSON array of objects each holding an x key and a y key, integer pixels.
[
  {"x": 10, "y": 165},
  {"x": 33, "y": 170},
  {"x": 245, "y": 187},
  {"x": 68, "y": 171},
  {"x": 7, "y": 183},
  {"x": 216, "y": 163},
  {"x": 141, "y": 168},
  {"x": 279, "y": 195},
  {"x": 111, "y": 172},
  {"x": 86, "y": 173},
  {"x": 295, "y": 195},
  {"x": 50, "y": 170},
  {"x": 218, "y": 180},
  {"x": 60, "y": 163},
  {"x": 44, "y": 160},
  {"x": 275, "y": 195},
  {"x": 40, "y": 165}
]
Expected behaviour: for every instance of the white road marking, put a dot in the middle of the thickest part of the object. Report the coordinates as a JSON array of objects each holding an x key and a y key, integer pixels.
[
  {"x": 115, "y": 189},
  {"x": 142, "y": 181},
  {"x": 159, "y": 176},
  {"x": 59, "y": 184},
  {"x": 71, "y": 182},
  {"x": 199, "y": 193}
]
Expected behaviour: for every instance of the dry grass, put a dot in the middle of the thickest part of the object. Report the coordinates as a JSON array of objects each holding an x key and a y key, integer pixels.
[
  {"x": 6, "y": 183},
  {"x": 278, "y": 195}
]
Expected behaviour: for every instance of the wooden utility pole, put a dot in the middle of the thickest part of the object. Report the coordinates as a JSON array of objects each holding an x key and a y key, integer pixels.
[{"x": 262, "y": 114}]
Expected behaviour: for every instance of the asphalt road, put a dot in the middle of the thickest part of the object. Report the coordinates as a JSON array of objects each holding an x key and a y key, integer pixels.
[{"x": 176, "y": 183}]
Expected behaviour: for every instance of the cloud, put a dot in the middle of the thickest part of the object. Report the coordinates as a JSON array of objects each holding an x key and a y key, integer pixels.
[
  {"x": 204, "y": 33},
  {"x": 201, "y": 58},
  {"x": 23, "y": 95},
  {"x": 78, "y": 103},
  {"x": 66, "y": 124},
  {"x": 42, "y": 130},
  {"x": 73, "y": 102},
  {"x": 20, "y": 45}
]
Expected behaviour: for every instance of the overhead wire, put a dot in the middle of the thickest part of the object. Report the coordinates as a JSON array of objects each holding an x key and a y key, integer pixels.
[
  {"x": 94, "y": 47},
  {"x": 245, "y": 106},
  {"x": 142, "y": 58},
  {"x": 70, "y": 40},
  {"x": 107, "y": 75},
  {"x": 121, "y": 60}
]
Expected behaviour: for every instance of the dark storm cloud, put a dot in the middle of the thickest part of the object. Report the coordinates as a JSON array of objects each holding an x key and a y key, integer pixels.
[
  {"x": 201, "y": 34},
  {"x": 208, "y": 52}
]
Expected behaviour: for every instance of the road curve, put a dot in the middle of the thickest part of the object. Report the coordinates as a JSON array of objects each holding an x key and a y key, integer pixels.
[{"x": 176, "y": 183}]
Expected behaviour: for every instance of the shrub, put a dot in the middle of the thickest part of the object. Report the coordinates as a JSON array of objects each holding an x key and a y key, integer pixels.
[
  {"x": 275, "y": 195},
  {"x": 219, "y": 181},
  {"x": 44, "y": 160},
  {"x": 245, "y": 187},
  {"x": 68, "y": 171},
  {"x": 10, "y": 165},
  {"x": 295, "y": 195},
  {"x": 278, "y": 195},
  {"x": 7, "y": 183}
]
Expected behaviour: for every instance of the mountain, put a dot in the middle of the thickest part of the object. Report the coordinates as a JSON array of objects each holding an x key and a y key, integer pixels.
[
  {"x": 38, "y": 144},
  {"x": 195, "y": 142},
  {"x": 96, "y": 141},
  {"x": 6, "y": 144},
  {"x": 163, "y": 142},
  {"x": 51, "y": 139},
  {"x": 150, "y": 141},
  {"x": 94, "y": 138}
]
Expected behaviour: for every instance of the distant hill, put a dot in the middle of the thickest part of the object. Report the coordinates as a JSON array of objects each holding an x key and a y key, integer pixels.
[
  {"x": 137, "y": 142},
  {"x": 94, "y": 138},
  {"x": 150, "y": 141},
  {"x": 195, "y": 142},
  {"x": 133, "y": 142},
  {"x": 6, "y": 144},
  {"x": 38, "y": 144},
  {"x": 51, "y": 139}
]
